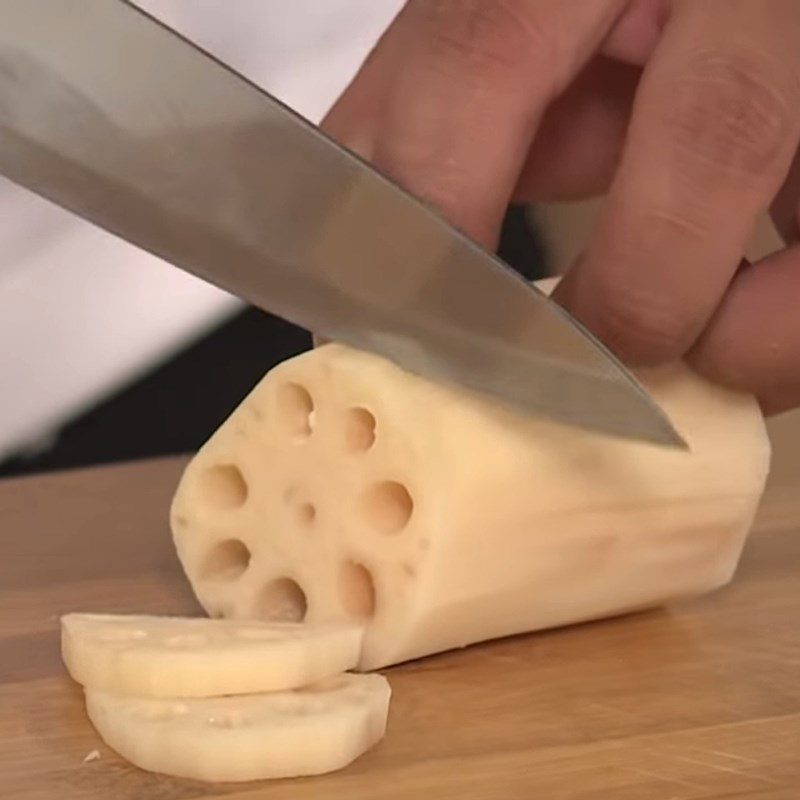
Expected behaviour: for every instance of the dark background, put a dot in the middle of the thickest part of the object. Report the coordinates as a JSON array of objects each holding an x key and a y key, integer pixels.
[{"x": 177, "y": 406}]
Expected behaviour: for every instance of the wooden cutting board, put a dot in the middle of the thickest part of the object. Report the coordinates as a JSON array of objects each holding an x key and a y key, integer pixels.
[{"x": 699, "y": 702}]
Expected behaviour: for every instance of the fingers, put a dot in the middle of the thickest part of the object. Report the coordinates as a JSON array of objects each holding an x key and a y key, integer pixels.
[
  {"x": 580, "y": 139},
  {"x": 638, "y": 31},
  {"x": 715, "y": 125},
  {"x": 786, "y": 208},
  {"x": 354, "y": 118},
  {"x": 753, "y": 341},
  {"x": 578, "y": 145},
  {"x": 449, "y": 103}
]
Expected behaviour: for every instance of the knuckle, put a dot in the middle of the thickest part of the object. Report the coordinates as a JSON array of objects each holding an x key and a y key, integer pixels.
[
  {"x": 490, "y": 38},
  {"x": 661, "y": 227},
  {"x": 654, "y": 230},
  {"x": 639, "y": 328},
  {"x": 731, "y": 112},
  {"x": 719, "y": 366},
  {"x": 647, "y": 321}
]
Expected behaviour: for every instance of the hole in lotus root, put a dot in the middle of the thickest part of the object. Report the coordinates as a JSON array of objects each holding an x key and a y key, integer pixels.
[
  {"x": 282, "y": 600},
  {"x": 357, "y": 590},
  {"x": 295, "y": 409},
  {"x": 223, "y": 486},
  {"x": 226, "y": 561},
  {"x": 359, "y": 430},
  {"x": 386, "y": 507}
]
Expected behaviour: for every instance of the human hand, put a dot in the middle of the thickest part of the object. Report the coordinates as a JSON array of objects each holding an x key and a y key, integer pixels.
[{"x": 687, "y": 112}]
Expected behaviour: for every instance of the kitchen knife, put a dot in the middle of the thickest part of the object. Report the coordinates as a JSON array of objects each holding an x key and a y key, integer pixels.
[{"x": 112, "y": 115}]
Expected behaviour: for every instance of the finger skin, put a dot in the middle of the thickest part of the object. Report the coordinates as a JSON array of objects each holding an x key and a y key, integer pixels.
[
  {"x": 753, "y": 341},
  {"x": 354, "y": 117},
  {"x": 786, "y": 207},
  {"x": 638, "y": 31},
  {"x": 577, "y": 148},
  {"x": 715, "y": 125},
  {"x": 450, "y": 101},
  {"x": 579, "y": 142}
]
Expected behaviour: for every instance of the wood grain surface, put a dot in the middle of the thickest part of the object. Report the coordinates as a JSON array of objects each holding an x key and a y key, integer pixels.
[{"x": 701, "y": 701}]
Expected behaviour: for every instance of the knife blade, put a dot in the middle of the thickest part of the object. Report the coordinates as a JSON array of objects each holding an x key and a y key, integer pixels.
[{"x": 110, "y": 114}]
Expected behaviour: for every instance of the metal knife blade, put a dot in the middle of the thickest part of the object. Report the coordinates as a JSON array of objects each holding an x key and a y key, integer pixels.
[{"x": 110, "y": 114}]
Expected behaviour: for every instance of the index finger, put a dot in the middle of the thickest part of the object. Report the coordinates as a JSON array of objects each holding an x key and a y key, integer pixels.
[
  {"x": 450, "y": 100},
  {"x": 715, "y": 125}
]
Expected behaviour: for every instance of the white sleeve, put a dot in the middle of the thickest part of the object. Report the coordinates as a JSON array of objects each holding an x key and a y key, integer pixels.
[{"x": 81, "y": 312}]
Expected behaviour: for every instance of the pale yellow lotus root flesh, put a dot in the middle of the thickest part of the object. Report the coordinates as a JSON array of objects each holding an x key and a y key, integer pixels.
[
  {"x": 344, "y": 488},
  {"x": 307, "y": 731},
  {"x": 150, "y": 656}
]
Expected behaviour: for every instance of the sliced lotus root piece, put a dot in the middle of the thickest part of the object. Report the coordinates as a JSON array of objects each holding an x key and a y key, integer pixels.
[
  {"x": 275, "y": 735},
  {"x": 198, "y": 657}
]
